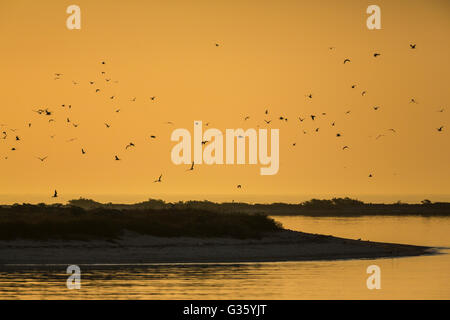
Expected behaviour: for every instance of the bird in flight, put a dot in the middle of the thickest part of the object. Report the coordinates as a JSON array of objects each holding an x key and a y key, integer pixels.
[
  {"x": 412, "y": 100},
  {"x": 370, "y": 175},
  {"x": 152, "y": 137},
  {"x": 131, "y": 144},
  {"x": 393, "y": 130},
  {"x": 239, "y": 186},
  {"x": 55, "y": 195},
  {"x": 82, "y": 151},
  {"x": 346, "y": 60},
  {"x": 246, "y": 118},
  {"x": 338, "y": 134},
  {"x": 107, "y": 125},
  {"x": 376, "y": 108},
  {"x": 192, "y": 167},
  {"x": 363, "y": 93},
  {"x": 116, "y": 158},
  {"x": 42, "y": 159},
  {"x": 345, "y": 147},
  {"x": 412, "y": 46},
  {"x": 353, "y": 86},
  {"x": 440, "y": 128},
  {"x": 267, "y": 111},
  {"x": 309, "y": 95},
  {"x": 313, "y": 116},
  {"x": 267, "y": 121},
  {"x": 376, "y": 54},
  {"x": 153, "y": 98},
  {"x": 159, "y": 179}
]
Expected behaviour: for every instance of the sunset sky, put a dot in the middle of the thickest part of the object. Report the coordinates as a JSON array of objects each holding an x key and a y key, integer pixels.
[{"x": 271, "y": 55}]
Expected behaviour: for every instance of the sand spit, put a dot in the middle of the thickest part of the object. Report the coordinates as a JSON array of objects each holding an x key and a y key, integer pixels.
[{"x": 132, "y": 248}]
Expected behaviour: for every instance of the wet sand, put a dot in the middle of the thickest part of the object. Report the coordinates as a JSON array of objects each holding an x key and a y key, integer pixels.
[{"x": 132, "y": 248}]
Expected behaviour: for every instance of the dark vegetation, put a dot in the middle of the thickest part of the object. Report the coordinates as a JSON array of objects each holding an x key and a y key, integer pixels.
[
  {"x": 42, "y": 222},
  {"x": 86, "y": 219},
  {"x": 315, "y": 207}
]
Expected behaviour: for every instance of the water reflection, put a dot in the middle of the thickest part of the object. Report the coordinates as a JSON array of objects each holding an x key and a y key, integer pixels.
[{"x": 423, "y": 277}]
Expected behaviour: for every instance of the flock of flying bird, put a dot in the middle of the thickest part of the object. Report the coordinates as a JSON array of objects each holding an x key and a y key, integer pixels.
[{"x": 46, "y": 112}]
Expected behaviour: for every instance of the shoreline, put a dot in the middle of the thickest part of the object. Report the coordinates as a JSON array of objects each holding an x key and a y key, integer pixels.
[{"x": 132, "y": 248}]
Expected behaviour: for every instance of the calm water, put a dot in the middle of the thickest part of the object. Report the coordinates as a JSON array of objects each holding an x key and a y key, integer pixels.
[{"x": 424, "y": 277}]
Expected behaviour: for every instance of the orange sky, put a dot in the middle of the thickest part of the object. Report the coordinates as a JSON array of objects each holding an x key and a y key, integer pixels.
[{"x": 272, "y": 54}]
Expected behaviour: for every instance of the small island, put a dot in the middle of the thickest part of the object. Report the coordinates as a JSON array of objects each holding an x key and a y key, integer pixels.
[{"x": 87, "y": 232}]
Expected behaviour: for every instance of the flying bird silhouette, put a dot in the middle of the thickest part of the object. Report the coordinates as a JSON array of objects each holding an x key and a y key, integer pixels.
[
  {"x": 116, "y": 158},
  {"x": 192, "y": 167},
  {"x": 159, "y": 179},
  {"x": 346, "y": 60},
  {"x": 412, "y": 46},
  {"x": 440, "y": 128},
  {"x": 55, "y": 194},
  {"x": 42, "y": 159},
  {"x": 131, "y": 144}
]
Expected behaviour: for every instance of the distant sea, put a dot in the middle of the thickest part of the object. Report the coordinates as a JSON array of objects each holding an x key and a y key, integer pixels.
[{"x": 249, "y": 198}]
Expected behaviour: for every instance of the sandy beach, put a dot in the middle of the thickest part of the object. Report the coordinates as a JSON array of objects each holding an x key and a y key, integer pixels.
[{"x": 133, "y": 248}]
